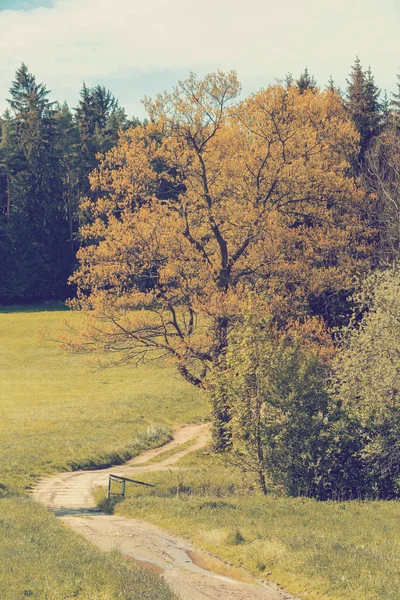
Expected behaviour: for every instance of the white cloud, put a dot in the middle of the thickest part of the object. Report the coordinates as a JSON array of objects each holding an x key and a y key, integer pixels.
[{"x": 96, "y": 40}]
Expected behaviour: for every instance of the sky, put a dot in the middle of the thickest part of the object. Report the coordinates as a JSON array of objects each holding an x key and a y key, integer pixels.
[{"x": 141, "y": 47}]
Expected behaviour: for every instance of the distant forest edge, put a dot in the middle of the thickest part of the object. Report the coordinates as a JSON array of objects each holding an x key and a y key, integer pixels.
[{"x": 48, "y": 151}]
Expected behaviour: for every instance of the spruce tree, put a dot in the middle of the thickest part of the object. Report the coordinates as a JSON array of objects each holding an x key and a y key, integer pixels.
[
  {"x": 37, "y": 222},
  {"x": 394, "y": 107},
  {"x": 8, "y": 167},
  {"x": 372, "y": 94},
  {"x": 99, "y": 118},
  {"x": 288, "y": 81},
  {"x": 306, "y": 81},
  {"x": 331, "y": 85},
  {"x": 362, "y": 102},
  {"x": 395, "y": 102},
  {"x": 385, "y": 110},
  {"x": 9, "y": 160},
  {"x": 46, "y": 155},
  {"x": 68, "y": 143}
]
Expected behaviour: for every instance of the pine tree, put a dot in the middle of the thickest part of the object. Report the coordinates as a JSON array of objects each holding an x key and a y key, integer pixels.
[
  {"x": 331, "y": 85},
  {"x": 46, "y": 155},
  {"x": 385, "y": 110},
  {"x": 395, "y": 102},
  {"x": 99, "y": 118},
  {"x": 394, "y": 108},
  {"x": 288, "y": 81},
  {"x": 37, "y": 223},
  {"x": 9, "y": 160},
  {"x": 306, "y": 81},
  {"x": 372, "y": 94},
  {"x": 8, "y": 165},
  {"x": 68, "y": 152},
  {"x": 26, "y": 94},
  {"x": 362, "y": 102}
]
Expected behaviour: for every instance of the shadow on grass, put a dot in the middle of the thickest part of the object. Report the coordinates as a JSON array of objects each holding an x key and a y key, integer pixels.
[
  {"x": 107, "y": 505},
  {"x": 35, "y": 307}
]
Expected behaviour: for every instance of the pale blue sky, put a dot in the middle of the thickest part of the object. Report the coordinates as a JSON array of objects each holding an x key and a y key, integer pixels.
[
  {"x": 23, "y": 4},
  {"x": 139, "y": 47}
]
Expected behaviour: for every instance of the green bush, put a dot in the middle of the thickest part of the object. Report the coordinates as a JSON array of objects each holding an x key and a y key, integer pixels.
[
  {"x": 366, "y": 380},
  {"x": 286, "y": 426}
]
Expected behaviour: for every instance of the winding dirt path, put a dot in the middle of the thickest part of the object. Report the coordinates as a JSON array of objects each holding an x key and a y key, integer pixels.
[{"x": 69, "y": 495}]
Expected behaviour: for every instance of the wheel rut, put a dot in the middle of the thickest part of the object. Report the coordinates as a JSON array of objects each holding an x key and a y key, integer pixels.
[{"x": 70, "y": 496}]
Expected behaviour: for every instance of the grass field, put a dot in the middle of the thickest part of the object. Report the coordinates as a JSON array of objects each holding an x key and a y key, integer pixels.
[
  {"x": 337, "y": 551},
  {"x": 57, "y": 415}
]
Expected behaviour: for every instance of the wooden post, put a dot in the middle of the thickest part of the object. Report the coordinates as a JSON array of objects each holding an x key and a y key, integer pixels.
[
  {"x": 123, "y": 488},
  {"x": 109, "y": 489}
]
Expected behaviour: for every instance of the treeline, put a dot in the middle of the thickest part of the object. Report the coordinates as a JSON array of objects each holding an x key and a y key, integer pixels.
[{"x": 46, "y": 154}]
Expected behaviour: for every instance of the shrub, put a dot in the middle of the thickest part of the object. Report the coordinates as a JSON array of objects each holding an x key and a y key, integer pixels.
[
  {"x": 285, "y": 425},
  {"x": 366, "y": 379}
]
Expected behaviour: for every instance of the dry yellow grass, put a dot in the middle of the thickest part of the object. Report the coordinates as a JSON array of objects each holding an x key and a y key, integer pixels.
[{"x": 215, "y": 565}]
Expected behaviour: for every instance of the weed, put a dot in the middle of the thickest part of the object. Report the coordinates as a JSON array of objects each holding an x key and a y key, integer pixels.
[{"x": 234, "y": 538}]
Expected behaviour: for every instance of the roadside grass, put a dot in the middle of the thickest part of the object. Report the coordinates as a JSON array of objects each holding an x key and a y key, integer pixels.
[
  {"x": 215, "y": 565},
  {"x": 58, "y": 415},
  {"x": 332, "y": 550},
  {"x": 42, "y": 559}
]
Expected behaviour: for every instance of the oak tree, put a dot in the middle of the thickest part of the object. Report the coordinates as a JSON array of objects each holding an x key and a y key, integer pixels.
[{"x": 211, "y": 199}]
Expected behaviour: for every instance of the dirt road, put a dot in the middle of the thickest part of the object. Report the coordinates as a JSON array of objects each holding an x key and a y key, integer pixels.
[{"x": 70, "y": 496}]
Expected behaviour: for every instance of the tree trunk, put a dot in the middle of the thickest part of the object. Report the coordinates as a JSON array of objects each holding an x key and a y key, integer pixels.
[
  {"x": 70, "y": 216},
  {"x": 263, "y": 484},
  {"x": 222, "y": 435},
  {"x": 8, "y": 208},
  {"x": 221, "y": 429}
]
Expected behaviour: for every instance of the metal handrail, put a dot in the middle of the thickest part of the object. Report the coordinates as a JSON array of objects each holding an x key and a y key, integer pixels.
[{"x": 123, "y": 481}]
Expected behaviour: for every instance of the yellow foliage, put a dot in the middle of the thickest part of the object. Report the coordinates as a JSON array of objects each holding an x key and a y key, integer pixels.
[{"x": 211, "y": 199}]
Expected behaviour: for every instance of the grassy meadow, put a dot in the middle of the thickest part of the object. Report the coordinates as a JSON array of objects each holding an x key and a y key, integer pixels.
[
  {"x": 332, "y": 550},
  {"x": 58, "y": 415}
]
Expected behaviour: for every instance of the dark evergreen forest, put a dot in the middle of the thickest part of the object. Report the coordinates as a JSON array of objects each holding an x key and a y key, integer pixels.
[{"x": 47, "y": 152}]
